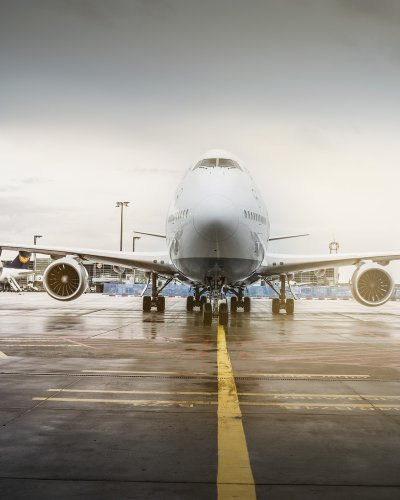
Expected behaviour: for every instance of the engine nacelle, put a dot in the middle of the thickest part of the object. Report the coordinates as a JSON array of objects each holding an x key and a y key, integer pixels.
[
  {"x": 65, "y": 279},
  {"x": 371, "y": 285}
]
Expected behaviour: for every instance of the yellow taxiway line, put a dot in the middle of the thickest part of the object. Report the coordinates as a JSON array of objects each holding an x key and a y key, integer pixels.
[{"x": 235, "y": 477}]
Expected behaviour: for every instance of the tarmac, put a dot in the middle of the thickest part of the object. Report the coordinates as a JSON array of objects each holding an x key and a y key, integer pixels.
[{"x": 102, "y": 401}]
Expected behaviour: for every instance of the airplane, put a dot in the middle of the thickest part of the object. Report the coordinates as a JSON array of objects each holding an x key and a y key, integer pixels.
[
  {"x": 14, "y": 270},
  {"x": 217, "y": 236}
]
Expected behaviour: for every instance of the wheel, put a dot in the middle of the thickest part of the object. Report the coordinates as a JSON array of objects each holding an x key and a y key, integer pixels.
[
  {"x": 223, "y": 314},
  {"x": 234, "y": 305},
  {"x": 189, "y": 303},
  {"x": 246, "y": 304},
  {"x": 290, "y": 306},
  {"x": 207, "y": 314},
  {"x": 160, "y": 304},
  {"x": 203, "y": 300},
  {"x": 146, "y": 303},
  {"x": 276, "y": 306}
]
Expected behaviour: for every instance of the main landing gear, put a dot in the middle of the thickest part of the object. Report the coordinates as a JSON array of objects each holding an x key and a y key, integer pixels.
[
  {"x": 155, "y": 300},
  {"x": 282, "y": 302},
  {"x": 196, "y": 300},
  {"x": 238, "y": 301}
]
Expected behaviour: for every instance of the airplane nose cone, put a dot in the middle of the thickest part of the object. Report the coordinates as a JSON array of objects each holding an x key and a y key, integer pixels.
[{"x": 216, "y": 218}]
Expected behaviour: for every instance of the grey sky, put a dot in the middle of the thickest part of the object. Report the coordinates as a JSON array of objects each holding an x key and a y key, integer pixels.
[{"x": 111, "y": 100}]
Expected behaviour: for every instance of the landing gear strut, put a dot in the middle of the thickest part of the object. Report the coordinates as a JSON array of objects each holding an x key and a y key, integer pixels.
[
  {"x": 282, "y": 302},
  {"x": 155, "y": 300}
]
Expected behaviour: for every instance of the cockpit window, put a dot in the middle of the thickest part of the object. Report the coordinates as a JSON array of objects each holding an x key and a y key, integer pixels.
[
  {"x": 206, "y": 163},
  {"x": 217, "y": 162},
  {"x": 227, "y": 163}
]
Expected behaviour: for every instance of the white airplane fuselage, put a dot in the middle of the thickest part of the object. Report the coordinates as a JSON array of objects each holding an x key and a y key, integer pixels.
[{"x": 217, "y": 226}]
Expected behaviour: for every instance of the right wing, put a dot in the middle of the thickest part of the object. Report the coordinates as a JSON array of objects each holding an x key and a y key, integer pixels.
[{"x": 275, "y": 264}]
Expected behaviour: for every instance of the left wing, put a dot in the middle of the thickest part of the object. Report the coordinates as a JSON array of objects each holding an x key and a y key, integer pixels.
[
  {"x": 158, "y": 262},
  {"x": 275, "y": 264}
]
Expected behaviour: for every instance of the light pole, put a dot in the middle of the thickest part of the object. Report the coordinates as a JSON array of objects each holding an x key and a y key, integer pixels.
[
  {"x": 35, "y": 237},
  {"x": 122, "y": 204},
  {"x": 134, "y": 238}
]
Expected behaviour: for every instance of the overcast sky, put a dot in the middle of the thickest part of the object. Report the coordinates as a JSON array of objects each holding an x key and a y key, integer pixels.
[{"x": 105, "y": 100}]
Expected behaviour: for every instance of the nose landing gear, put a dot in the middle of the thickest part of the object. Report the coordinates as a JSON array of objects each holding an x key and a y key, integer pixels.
[
  {"x": 220, "y": 310},
  {"x": 218, "y": 304}
]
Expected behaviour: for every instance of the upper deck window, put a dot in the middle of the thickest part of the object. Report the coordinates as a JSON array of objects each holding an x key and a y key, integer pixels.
[
  {"x": 217, "y": 162},
  {"x": 206, "y": 163},
  {"x": 228, "y": 163}
]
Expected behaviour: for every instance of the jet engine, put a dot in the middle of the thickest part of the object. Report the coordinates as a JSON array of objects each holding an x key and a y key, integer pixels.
[
  {"x": 65, "y": 279},
  {"x": 371, "y": 285}
]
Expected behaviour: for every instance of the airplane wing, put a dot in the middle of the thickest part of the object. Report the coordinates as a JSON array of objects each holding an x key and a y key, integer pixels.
[
  {"x": 158, "y": 262},
  {"x": 275, "y": 264}
]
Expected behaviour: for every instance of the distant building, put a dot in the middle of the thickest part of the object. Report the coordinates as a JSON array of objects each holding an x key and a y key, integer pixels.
[{"x": 322, "y": 277}]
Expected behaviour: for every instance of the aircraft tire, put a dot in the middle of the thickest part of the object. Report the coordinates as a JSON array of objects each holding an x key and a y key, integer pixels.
[
  {"x": 189, "y": 303},
  {"x": 203, "y": 300},
  {"x": 223, "y": 314},
  {"x": 246, "y": 304},
  {"x": 290, "y": 307},
  {"x": 160, "y": 303},
  {"x": 146, "y": 303},
  {"x": 234, "y": 305},
  {"x": 276, "y": 306},
  {"x": 207, "y": 314}
]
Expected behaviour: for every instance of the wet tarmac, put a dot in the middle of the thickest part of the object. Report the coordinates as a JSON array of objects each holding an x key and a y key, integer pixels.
[{"x": 100, "y": 400}]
